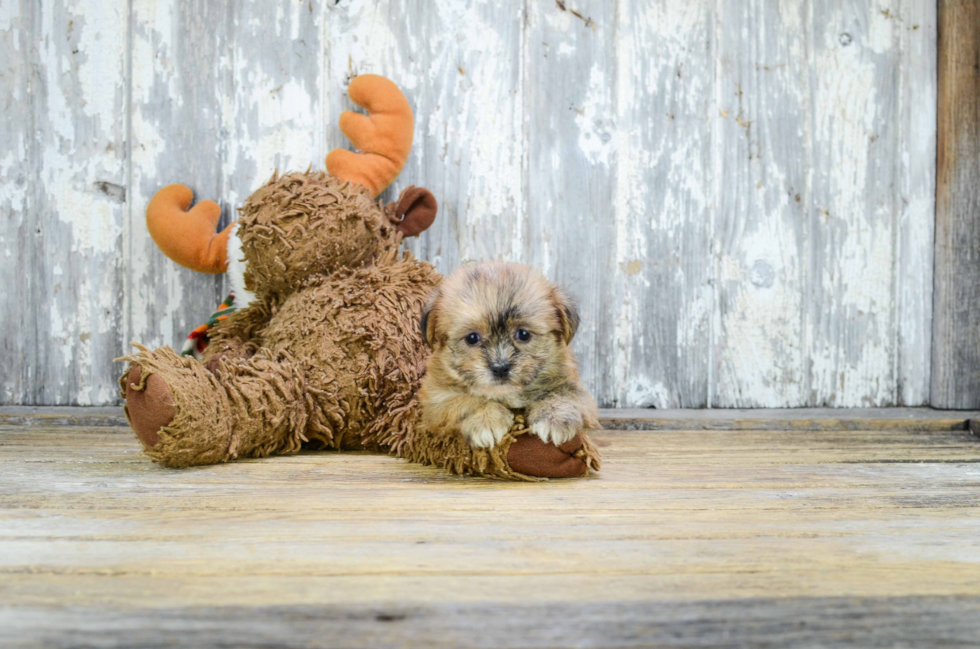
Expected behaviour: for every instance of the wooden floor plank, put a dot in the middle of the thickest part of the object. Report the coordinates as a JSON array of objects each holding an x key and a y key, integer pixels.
[
  {"x": 759, "y": 622},
  {"x": 725, "y": 419},
  {"x": 686, "y": 538}
]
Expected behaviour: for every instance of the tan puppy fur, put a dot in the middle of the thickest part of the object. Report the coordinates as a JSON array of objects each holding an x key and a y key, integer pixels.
[{"x": 499, "y": 334}]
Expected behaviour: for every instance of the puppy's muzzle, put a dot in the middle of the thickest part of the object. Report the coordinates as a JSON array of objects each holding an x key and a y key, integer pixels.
[{"x": 500, "y": 369}]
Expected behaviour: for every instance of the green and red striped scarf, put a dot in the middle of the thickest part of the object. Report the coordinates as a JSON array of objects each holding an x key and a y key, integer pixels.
[{"x": 198, "y": 341}]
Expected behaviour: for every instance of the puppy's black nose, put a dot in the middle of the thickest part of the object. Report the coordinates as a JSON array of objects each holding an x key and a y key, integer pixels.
[{"x": 500, "y": 369}]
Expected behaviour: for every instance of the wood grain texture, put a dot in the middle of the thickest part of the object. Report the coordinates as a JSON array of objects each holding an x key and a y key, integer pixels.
[
  {"x": 81, "y": 108},
  {"x": 915, "y": 204},
  {"x": 760, "y": 225},
  {"x": 273, "y": 109},
  {"x": 740, "y": 535},
  {"x": 658, "y": 350},
  {"x": 18, "y": 231},
  {"x": 956, "y": 336},
  {"x": 909, "y": 419},
  {"x": 765, "y": 622},
  {"x": 739, "y": 194},
  {"x": 65, "y": 195},
  {"x": 854, "y": 212}
]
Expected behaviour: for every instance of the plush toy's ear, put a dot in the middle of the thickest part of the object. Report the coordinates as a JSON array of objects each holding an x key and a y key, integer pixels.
[
  {"x": 415, "y": 211},
  {"x": 568, "y": 317},
  {"x": 427, "y": 323}
]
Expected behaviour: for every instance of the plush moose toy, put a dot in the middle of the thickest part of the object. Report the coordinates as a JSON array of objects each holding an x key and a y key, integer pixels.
[{"x": 324, "y": 350}]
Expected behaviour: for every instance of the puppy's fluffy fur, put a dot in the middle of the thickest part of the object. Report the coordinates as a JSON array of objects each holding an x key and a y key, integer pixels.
[{"x": 499, "y": 334}]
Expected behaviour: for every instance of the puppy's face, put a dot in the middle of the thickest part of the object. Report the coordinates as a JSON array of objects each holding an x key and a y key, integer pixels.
[{"x": 500, "y": 329}]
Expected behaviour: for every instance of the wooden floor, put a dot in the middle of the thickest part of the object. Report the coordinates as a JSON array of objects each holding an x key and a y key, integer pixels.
[{"x": 687, "y": 538}]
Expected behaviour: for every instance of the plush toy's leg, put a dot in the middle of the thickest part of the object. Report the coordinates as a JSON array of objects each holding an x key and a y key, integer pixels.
[
  {"x": 520, "y": 455},
  {"x": 530, "y": 455},
  {"x": 185, "y": 415}
]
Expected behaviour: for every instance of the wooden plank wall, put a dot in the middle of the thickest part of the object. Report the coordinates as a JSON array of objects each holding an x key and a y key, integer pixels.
[
  {"x": 956, "y": 330},
  {"x": 740, "y": 193}
]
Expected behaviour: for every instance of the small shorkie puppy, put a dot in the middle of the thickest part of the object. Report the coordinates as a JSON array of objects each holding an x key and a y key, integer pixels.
[{"x": 499, "y": 334}]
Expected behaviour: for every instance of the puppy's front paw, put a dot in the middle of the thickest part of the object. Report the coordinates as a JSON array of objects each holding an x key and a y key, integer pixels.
[
  {"x": 560, "y": 417},
  {"x": 486, "y": 428},
  {"x": 486, "y": 438},
  {"x": 554, "y": 432}
]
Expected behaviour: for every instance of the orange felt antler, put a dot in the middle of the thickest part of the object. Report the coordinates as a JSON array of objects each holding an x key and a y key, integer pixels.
[
  {"x": 384, "y": 135},
  {"x": 188, "y": 237}
]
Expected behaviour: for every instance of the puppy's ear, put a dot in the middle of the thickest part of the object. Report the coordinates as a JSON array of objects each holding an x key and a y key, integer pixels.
[
  {"x": 568, "y": 317},
  {"x": 427, "y": 323}
]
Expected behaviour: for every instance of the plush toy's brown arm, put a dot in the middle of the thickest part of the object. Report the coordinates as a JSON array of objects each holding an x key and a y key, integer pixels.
[
  {"x": 188, "y": 237},
  {"x": 384, "y": 135}
]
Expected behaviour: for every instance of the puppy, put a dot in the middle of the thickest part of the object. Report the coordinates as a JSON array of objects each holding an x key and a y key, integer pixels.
[{"x": 499, "y": 334}]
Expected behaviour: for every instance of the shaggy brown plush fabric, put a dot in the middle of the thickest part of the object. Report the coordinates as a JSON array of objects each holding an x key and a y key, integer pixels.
[
  {"x": 301, "y": 225},
  {"x": 329, "y": 354}
]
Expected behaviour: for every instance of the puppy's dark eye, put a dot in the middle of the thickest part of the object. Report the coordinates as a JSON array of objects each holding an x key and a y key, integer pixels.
[
  {"x": 522, "y": 335},
  {"x": 472, "y": 339}
]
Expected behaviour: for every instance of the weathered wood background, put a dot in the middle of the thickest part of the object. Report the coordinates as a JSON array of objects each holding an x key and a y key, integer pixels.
[
  {"x": 740, "y": 193},
  {"x": 956, "y": 299}
]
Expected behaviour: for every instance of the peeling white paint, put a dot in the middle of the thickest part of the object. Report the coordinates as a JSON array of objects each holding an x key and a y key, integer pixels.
[
  {"x": 78, "y": 218},
  {"x": 851, "y": 358},
  {"x": 742, "y": 198},
  {"x": 10, "y": 17},
  {"x": 883, "y": 20},
  {"x": 641, "y": 393},
  {"x": 274, "y": 117},
  {"x": 593, "y": 120}
]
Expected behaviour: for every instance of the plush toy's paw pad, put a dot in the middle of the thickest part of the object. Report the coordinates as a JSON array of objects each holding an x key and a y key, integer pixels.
[
  {"x": 532, "y": 456},
  {"x": 149, "y": 406}
]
